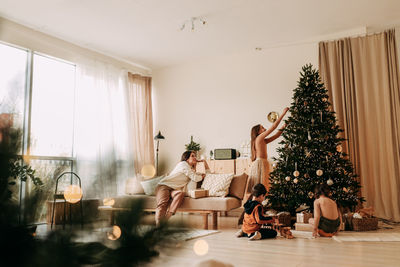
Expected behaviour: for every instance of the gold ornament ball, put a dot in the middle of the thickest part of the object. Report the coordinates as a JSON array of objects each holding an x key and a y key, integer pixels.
[
  {"x": 306, "y": 175},
  {"x": 287, "y": 178},
  {"x": 310, "y": 194},
  {"x": 320, "y": 172},
  {"x": 272, "y": 116},
  {"x": 339, "y": 148},
  {"x": 295, "y": 180},
  {"x": 324, "y": 99},
  {"x": 329, "y": 182},
  {"x": 296, "y": 173}
]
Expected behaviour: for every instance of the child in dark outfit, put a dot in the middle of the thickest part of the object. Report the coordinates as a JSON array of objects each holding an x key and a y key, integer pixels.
[{"x": 254, "y": 217}]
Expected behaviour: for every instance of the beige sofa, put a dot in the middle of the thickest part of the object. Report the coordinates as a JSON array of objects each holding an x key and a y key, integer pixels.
[{"x": 203, "y": 206}]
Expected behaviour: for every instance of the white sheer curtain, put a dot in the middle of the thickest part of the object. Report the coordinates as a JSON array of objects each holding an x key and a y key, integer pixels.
[{"x": 100, "y": 141}]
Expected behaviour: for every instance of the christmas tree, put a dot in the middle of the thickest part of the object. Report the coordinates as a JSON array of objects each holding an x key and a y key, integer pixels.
[{"x": 311, "y": 151}]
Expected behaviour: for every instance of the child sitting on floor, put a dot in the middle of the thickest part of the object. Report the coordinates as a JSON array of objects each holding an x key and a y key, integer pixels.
[
  {"x": 254, "y": 217},
  {"x": 327, "y": 219}
]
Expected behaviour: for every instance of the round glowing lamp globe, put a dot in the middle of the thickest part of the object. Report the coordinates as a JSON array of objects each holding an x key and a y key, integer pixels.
[
  {"x": 148, "y": 171},
  {"x": 73, "y": 194}
]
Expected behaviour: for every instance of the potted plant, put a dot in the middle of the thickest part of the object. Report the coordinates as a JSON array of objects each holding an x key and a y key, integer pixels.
[{"x": 192, "y": 146}]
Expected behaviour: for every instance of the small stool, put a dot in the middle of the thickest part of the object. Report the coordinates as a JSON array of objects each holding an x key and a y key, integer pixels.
[{"x": 57, "y": 196}]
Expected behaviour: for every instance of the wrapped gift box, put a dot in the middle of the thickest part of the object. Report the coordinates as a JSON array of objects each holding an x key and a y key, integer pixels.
[
  {"x": 303, "y": 227},
  {"x": 198, "y": 193},
  {"x": 303, "y": 217}
]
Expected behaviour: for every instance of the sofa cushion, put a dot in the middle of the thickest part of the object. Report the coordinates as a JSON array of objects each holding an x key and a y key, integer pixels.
[
  {"x": 206, "y": 203},
  {"x": 238, "y": 186},
  {"x": 149, "y": 186},
  {"x": 217, "y": 184}
]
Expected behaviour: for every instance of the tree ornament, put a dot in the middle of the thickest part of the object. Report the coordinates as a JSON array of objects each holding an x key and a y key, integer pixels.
[
  {"x": 319, "y": 172},
  {"x": 306, "y": 175},
  {"x": 295, "y": 180},
  {"x": 329, "y": 182},
  {"x": 345, "y": 189},
  {"x": 339, "y": 148},
  {"x": 296, "y": 173},
  {"x": 287, "y": 178},
  {"x": 309, "y": 136},
  {"x": 308, "y": 153},
  {"x": 305, "y": 103},
  {"x": 310, "y": 194},
  {"x": 324, "y": 99}
]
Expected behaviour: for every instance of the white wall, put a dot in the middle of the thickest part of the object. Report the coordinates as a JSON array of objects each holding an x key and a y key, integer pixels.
[{"x": 218, "y": 100}]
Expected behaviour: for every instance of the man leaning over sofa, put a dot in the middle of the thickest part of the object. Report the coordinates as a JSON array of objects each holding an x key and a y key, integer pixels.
[{"x": 174, "y": 185}]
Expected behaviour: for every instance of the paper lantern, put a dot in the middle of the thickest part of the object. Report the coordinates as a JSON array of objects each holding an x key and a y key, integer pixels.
[
  {"x": 108, "y": 201},
  {"x": 148, "y": 171},
  {"x": 115, "y": 233},
  {"x": 73, "y": 194}
]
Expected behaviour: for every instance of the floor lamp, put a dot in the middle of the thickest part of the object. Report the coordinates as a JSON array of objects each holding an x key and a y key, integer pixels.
[{"x": 158, "y": 137}]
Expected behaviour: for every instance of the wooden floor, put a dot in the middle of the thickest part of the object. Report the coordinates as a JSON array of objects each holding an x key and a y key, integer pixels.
[{"x": 224, "y": 246}]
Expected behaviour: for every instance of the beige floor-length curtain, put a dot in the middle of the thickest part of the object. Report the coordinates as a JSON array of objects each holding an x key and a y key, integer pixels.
[
  {"x": 141, "y": 120},
  {"x": 362, "y": 77}
]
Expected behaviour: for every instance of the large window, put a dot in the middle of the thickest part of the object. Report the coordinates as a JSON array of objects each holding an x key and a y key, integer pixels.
[
  {"x": 13, "y": 66},
  {"x": 37, "y": 96},
  {"x": 52, "y": 107}
]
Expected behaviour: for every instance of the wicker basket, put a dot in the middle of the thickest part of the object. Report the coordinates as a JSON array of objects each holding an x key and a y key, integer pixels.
[
  {"x": 365, "y": 224},
  {"x": 285, "y": 218}
]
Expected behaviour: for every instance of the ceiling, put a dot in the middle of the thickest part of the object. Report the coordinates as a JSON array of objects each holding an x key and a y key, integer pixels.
[{"x": 147, "y": 32}]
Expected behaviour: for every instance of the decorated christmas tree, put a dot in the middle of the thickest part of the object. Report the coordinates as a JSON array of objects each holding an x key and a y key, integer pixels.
[{"x": 311, "y": 151}]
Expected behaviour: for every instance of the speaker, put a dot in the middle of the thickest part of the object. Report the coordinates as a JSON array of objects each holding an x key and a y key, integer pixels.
[{"x": 224, "y": 153}]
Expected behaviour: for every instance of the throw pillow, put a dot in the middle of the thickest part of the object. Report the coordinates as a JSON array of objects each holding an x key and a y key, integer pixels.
[
  {"x": 238, "y": 185},
  {"x": 133, "y": 186},
  {"x": 150, "y": 185},
  {"x": 217, "y": 184}
]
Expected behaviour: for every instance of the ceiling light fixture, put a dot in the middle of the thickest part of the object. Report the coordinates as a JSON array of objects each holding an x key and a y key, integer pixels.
[{"x": 192, "y": 23}]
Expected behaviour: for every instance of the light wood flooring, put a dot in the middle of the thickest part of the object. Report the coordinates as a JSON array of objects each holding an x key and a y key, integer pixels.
[{"x": 225, "y": 247}]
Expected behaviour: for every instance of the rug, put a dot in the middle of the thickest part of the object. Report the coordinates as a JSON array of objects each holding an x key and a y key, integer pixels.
[
  {"x": 367, "y": 237},
  {"x": 192, "y": 234}
]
